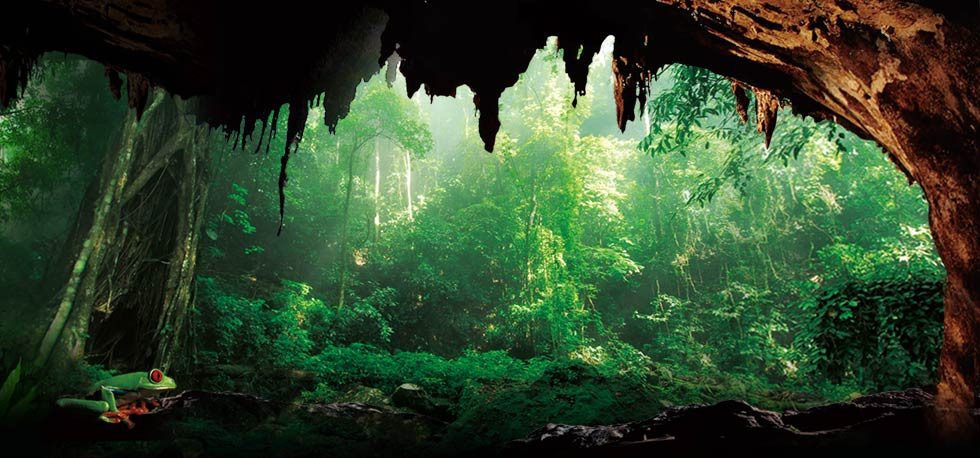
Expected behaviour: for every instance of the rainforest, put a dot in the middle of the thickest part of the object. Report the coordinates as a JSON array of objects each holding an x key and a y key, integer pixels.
[{"x": 394, "y": 268}]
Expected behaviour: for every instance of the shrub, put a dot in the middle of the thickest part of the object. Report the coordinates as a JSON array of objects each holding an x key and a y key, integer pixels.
[{"x": 882, "y": 330}]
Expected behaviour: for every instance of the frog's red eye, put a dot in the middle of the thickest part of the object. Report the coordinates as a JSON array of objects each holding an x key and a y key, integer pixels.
[{"x": 156, "y": 376}]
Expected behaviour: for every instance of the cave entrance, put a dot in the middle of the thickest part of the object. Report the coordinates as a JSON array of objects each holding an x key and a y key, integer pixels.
[
  {"x": 684, "y": 248},
  {"x": 900, "y": 73}
]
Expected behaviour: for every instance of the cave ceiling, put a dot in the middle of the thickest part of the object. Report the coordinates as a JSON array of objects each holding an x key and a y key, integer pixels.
[
  {"x": 248, "y": 60},
  {"x": 867, "y": 65}
]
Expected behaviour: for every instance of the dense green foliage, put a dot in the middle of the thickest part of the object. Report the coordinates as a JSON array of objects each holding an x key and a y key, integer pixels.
[
  {"x": 577, "y": 274},
  {"x": 876, "y": 329},
  {"x": 50, "y": 148}
]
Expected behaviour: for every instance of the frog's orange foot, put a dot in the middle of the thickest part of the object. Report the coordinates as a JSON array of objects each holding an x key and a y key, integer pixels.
[
  {"x": 118, "y": 416},
  {"x": 136, "y": 408},
  {"x": 139, "y": 408}
]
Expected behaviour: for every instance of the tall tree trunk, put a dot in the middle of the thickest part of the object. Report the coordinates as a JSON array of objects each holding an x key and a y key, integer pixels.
[
  {"x": 343, "y": 229},
  {"x": 377, "y": 190},
  {"x": 530, "y": 231},
  {"x": 112, "y": 179},
  {"x": 191, "y": 199},
  {"x": 126, "y": 298},
  {"x": 408, "y": 185}
]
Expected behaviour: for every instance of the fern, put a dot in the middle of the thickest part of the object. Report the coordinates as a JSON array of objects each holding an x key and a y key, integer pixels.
[{"x": 13, "y": 408}]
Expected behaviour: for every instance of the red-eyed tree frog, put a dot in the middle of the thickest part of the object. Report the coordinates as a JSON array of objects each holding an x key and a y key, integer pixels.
[{"x": 123, "y": 395}]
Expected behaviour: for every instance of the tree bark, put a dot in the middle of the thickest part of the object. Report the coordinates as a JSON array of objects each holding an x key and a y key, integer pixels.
[
  {"x": 112, "y": 179},
  {"x": 191, "y": 199},
  {"x": 530, "y": 240},
  {"x": 377, "y": 190},
  {"x": 343, "y": 228},
  {"x": 133, "y": 274},
  {"x": 408, "y": 185}
]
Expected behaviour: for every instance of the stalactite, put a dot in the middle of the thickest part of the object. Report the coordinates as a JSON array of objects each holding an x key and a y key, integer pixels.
[
  {"x": 766, "y": 108},
  {"x": 247, "y": 129},
  {"x": 137, "y": 88},
  {"x": 295, "y": 126},
  {"x": 577, "y": 55},
  {"x": 392, "y": 67},
  {"x": 274, "y": 130},
  {"x": 488, "y": 105},
  {"x": 16, "y": 66},
  {"x": 634, "y": 64},
  {"x": 115, "y": 81},
  {"x": 258, "y": 144},
  {"x": 741, "y": 101},
  {"x": 623, "y": 92}
]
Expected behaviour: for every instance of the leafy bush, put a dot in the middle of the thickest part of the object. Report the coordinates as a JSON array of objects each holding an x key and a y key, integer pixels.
[
  {"x": 731, "y": 331},
  {"x": 882, "y": 330},
  {"x": 362, "y": 322},
  {"x": 360, "y": 364},
  {"x": 286, "y": 327},
  {"x": 236, "y": 328}
]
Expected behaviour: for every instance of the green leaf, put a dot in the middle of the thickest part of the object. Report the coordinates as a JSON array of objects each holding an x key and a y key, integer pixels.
[
  {"x": 17, "y": 412},
  {"x": 7, "y": 390}
]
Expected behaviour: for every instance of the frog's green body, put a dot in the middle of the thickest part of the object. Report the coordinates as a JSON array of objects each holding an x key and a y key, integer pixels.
[{"x": 123, "y": 395}]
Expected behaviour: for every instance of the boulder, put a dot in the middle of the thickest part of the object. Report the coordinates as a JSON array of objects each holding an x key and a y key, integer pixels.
[
  {"x": 366, "y": 395},
  {"x": 413, "y": 397}
]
